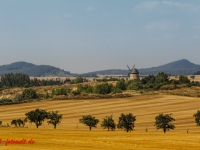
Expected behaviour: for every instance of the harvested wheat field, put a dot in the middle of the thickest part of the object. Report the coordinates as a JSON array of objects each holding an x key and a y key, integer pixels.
[{"x": 72, "y": 135}]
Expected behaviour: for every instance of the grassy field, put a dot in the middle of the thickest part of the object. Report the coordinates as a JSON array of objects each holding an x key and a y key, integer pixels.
[{"x": 72, "y": 135}]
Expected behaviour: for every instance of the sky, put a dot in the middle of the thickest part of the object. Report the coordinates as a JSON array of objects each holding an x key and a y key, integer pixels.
[{"x": 90, "y": 35}]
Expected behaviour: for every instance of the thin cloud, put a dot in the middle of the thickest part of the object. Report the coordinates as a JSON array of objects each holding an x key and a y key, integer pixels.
[
  {"x": 187, "y": 6},
  {"x": 90, "y": 8},
  {"x": 156, "y": 4},
  {"x": 146, "y": 5}
]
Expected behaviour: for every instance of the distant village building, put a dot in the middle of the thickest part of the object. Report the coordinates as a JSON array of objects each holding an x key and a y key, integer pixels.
[{"x": 133, "y": 74}]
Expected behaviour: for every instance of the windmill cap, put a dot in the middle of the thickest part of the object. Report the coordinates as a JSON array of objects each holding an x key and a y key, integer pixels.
[{"x": 134, "y": 71}]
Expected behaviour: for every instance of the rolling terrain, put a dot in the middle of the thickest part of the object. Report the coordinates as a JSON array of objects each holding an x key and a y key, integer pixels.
[
  {"x": 32, "y": 69},
  {"x": 178, "y": 67},
  {"x": 72, "y": 135}
]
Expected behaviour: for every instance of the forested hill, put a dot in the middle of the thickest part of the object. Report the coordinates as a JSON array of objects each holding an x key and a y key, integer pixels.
[
  {"x": 32, "y": 70},
  {"x": 179, "y": 67}
]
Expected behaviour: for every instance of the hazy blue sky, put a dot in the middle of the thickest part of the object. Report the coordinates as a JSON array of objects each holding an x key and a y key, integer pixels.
[{"x": 89, "y": 35}]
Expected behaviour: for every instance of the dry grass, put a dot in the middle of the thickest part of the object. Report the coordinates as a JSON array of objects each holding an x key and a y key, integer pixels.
[
  {"x": 46, "y": 139},
  {"x": 184, "y": 91},
  {"x": 72, "y": 135}
]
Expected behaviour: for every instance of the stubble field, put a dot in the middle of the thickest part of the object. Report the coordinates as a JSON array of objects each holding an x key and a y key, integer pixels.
[{"x": 72, "y": 135}]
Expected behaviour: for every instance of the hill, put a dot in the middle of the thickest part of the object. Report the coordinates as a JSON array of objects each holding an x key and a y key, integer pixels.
[
  {"x": 32, "y": 70},
  {"x": 178, "y": 67}
]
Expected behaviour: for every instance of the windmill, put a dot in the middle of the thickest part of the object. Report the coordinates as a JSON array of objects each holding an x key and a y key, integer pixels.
[
  {"x": 133, "y": 74},
  {"x": 130, "y": 70}
]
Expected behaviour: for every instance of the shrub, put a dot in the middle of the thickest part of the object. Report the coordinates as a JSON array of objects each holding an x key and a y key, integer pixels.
[
  {"x": 5, "y": 100},
  {"x": 121, "y": 84},
  {"x": 116, "y": 90},
  {"x": 18, "y": 98},
  {"x": 183, "y": 79},
  {"x": 135, "y": 85},
  {"x": 103, "y": 88},
  {"x": 61, "y": 91},
  {"x": 85, "y": 88},
  {"x": 77, "y": 80},
  {"x": 29, "y": 94}
]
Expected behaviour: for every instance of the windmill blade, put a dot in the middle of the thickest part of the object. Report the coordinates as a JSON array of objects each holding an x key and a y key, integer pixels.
[
  {"x": 133, "y": 67},
  {"x": 128, "y": 68}
]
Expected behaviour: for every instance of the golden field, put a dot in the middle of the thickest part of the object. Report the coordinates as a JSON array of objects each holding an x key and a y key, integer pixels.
[{"x": 72, "y": 135}]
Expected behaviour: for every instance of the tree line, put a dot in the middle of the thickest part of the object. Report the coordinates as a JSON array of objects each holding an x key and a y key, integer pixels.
[
  {"x": 22, "y": 80},
  {"x": 125, "y": 121},
  {"x": 37, "y": 117},
  {"x": 150, "y": 82}
]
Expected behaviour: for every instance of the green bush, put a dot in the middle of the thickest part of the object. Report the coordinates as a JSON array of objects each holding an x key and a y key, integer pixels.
[
  {"x": 134, "y": 85},
  {"x": 183, "y": 79},
  {"x": 61, "y": 91},
  {"x": 116, "y": 90},
  {"x": 106, "y": 80},
  {"x": 77, "y": 80},
  {"x": 103, "y": 88},
  {"x": 173, "y": 81},
  {"x": 76, "y": 93},
  {"x": 18, "y": 98},
  {"x": 121, "y": 84},
  {"x": 29, "y": 94},
  {"x": 5, "y": 100},
  {"x": 85, "y": 88}
]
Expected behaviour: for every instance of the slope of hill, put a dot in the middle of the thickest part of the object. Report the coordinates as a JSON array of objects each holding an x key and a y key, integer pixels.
[
  {"x": 32, "y": 70},
  {"x": 182, "y": 66}
]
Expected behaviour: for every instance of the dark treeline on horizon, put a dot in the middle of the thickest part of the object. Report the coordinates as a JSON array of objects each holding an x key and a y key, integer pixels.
[{"x": 23, "y": 80}]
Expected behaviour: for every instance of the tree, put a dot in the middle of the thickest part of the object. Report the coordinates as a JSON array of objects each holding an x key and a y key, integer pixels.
[
  {"x": 121, "y": 84},
  {"x": 24, "y": 121},
  {"x": 20, "y": 122},
  {"x": 109, "y": 123},
  {"x": 126, "y": 122},
  {"x": 183, "y": 79},
  {"x": 54, "y": 117},
  {"x": 77, "y": 80},
  {"x": 162, "y": 78},
  {"x": 14, "y": 122},
  {"x": 89, "y": 121},
  {"x": 85, "y": 88},
  {"x": 29, "y": 94},
  {"x": 103, "y": 88},
  {"x": 163, "y": 121},
  {"x": 36, "y": 116},
  {"x": 15, "y": 80},
  {"x": 197, "y": 117}
]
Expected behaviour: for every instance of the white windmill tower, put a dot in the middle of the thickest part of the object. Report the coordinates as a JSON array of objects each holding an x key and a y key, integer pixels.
[{"x": 133, "y": 74}]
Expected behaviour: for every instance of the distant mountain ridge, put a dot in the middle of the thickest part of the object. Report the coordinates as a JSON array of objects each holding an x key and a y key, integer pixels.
[
  {"x": 178, "y": 67},
  {"x": 32, "y": 70}
]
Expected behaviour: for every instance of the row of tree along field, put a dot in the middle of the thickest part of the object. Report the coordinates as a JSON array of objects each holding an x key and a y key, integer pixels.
[
  {"x": 103, "y": 87},
  {"x": 148, "y": 82},
  {"x": 125, "y": 121}
]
